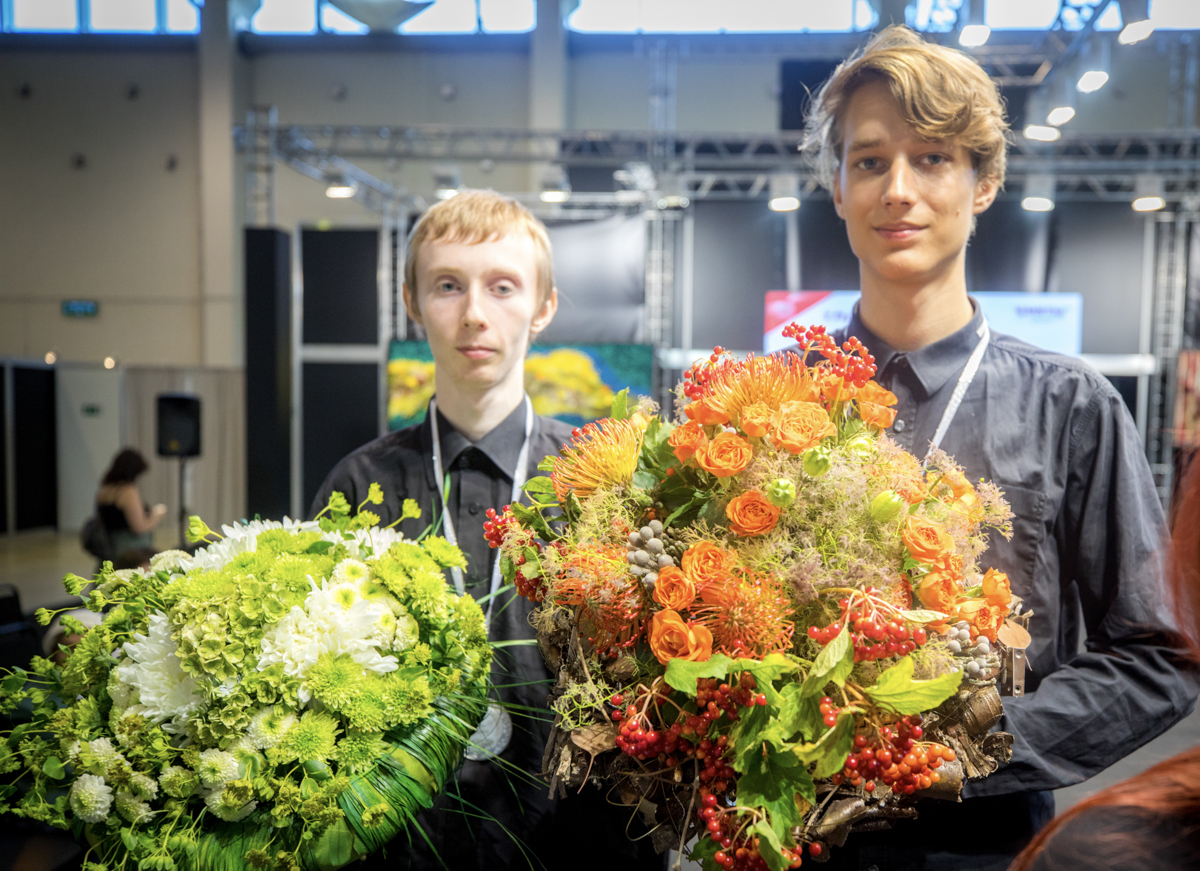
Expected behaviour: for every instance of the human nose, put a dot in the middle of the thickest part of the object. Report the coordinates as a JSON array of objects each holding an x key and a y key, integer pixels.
[
  {"x": 474, "y": 314},
  {"x": 901, "y": 187}
]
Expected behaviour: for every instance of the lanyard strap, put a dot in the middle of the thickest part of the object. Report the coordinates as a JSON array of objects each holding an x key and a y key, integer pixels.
[
  {"x": 960, "y": 389},
  {"x": 519, "y": 476}
]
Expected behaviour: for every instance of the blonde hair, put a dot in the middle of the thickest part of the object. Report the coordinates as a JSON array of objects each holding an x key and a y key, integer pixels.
[
  {"x": 474, "y": 216},
  {"x": 942, "y": 92}
]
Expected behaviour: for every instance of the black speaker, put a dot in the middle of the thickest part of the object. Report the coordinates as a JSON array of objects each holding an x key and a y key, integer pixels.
[{"x": 178, "y": 425}]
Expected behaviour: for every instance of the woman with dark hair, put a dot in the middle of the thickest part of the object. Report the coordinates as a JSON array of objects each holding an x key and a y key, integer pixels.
[
  {"x": 1150, "y": 822},
  {"x": 119, "y": 504}
]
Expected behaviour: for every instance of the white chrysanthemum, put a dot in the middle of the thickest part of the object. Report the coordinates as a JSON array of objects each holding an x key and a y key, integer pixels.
[
  {"x": 408, "y": 631},
  {"x": 91, "y": 798},
  {"x": 216, "y": 803},
  {"x": 350, "y": 571},
  {"x": 143, "y": 787},
  {"x": 168, "y": 560},
  {"x": 268, "y": 727},
  {"x": 164, "y": 689},
  {"x": 366, "y": 542},
  {"x": 118, "y": 579},
  {"x": 384, "y": 636},
  {"x": 128, "y": 806},
  {"x": 217, "y": 767},
  {"x": 240, "y": 538},
  {"x": 103, "y": 754},
  {"x": 345, "y": 594},
  {"x": 324, "y": 626},
  {"x": 121, "y": 693}
]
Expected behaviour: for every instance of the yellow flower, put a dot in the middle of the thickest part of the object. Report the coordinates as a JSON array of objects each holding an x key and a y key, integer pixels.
[
  {"x": 772, "y": 381},
  {"x": 602, "y": 454}
]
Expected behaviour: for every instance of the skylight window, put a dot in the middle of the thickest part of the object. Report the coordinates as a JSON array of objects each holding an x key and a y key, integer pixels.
[
  {"x": 720, "y": 16},
  {"x": 53, "y": 15},
  {"x": 128, "y": 16}
]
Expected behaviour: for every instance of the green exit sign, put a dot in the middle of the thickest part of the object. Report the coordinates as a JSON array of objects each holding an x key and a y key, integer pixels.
[{"x": 80, "y": 308}]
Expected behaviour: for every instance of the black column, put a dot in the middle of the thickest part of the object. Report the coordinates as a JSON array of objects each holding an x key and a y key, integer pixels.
[{"x": 268, "y": 373}]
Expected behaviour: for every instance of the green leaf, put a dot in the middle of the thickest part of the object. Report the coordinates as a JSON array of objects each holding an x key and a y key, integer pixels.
[
  {"x": 830, "y": 751},
  {"x": 710, "y": 513},
  {"x": 703, "y": 850},
  {"x": 656, "y": 434},
  {"x": 620, "y": 405},
  {"x": 645, "y": 480},
  {"x": 508, "y": 569},
  {"x": 547, "y": 463},
  {"x": 769, "y": 846},
  {"x": 800, "y": 712},
  {"x": 972, "y": 592},
  {"x": 541, "y": 490},
  {"x": 834, "y": 663},
  {"x": 682, "y": 674},
  {"x": 920, "y": 616},
  {"x": 532, "y": 518},
  {"x": 748, "y": 734},
  {"x": 771, "y": 782},
  {"x": 319, "y": 546},
  {"x": 14, "y": 681},
  {"x": 897, "y": 691},
  {"x": 53, "y": 767},
  {"x": 766, "y": 671}
]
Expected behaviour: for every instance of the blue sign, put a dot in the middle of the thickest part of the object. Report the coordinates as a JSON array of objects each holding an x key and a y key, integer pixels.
[{"x": 80, "y": 308}]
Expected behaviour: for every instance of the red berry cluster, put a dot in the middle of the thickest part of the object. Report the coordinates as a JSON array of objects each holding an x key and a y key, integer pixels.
[
  {"x": 700, "y": 374},
  {"x": 499, "y": 526},
  {"x": 877, "y": 630},
  {"x": 896, "y": 758},
  {"x": 829, "y": 711},
  {"x": 853, "y": 364},
  {"x": 739, "y": 851}
]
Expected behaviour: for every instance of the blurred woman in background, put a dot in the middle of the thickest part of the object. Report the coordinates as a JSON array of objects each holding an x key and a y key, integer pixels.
[
  {"x": 127, "y": 520},
  {"x": 1150, "y": 822}
]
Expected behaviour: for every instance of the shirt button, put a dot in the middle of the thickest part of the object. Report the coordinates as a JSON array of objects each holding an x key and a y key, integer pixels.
[
  {"x": 898, "y": 426},
  {"x": 475, "y": 508}
]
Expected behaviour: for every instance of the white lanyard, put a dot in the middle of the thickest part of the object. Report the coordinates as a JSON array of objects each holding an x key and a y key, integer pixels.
[
  {"x": 960, "y": 389},
  {"x": 519, "y": 475}
]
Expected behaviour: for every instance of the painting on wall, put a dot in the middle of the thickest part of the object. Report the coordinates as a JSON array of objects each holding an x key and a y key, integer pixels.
[{"x": 573, "y": 383}]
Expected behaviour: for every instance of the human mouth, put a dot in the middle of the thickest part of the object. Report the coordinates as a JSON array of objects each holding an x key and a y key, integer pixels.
[
  {"x": 475, "y": 352},
  {"x": 898, "y": 232}
]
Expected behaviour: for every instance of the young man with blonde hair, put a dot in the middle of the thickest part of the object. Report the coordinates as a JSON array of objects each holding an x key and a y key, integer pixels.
[
  {"x": 910, "y": 137},
  {"x": 479, "y": 279}
]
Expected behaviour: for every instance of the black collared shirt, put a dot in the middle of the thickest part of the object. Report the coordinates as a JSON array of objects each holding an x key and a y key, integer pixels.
[
  {"x": 496, "y": 796},
  {"x": 1103, "y": 675}
]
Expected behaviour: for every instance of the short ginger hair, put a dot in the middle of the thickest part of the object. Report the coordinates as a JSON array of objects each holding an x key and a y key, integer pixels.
[
  {"x": 474, "y": 216},
  {"x": 942, "y": 92}
]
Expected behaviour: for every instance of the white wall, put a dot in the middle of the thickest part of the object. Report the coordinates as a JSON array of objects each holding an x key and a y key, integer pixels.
[{"x": 90, "y": 432}]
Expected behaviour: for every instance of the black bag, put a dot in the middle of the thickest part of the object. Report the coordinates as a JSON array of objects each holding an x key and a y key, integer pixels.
[{"x": 95, "y": 539}]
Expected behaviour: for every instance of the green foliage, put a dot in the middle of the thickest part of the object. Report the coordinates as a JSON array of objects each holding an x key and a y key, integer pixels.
[{"x": 896, "y": 689}]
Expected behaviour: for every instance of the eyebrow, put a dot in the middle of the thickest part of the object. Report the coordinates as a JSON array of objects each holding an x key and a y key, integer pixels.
[{"x": 863, "y": 145}]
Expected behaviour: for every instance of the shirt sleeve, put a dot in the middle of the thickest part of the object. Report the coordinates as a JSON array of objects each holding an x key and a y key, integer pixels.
[{"x": 1127, "y": 684}]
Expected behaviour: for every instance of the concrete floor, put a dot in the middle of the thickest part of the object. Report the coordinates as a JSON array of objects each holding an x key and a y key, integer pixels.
[{"x": 35, "y": 562}]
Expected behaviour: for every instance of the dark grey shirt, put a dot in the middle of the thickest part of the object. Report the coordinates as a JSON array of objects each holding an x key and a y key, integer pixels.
[
  {"x": 1055, "y": 435},
  {"x": 495, "y": 796}
]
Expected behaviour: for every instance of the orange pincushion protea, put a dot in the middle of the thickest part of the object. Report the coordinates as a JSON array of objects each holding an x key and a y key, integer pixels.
[
  {"x": 611, "y": 601},
  {"x": 731, "y": 385},
  {"x": 601, "y": 454},
  {"x": 748, "y": 615}
]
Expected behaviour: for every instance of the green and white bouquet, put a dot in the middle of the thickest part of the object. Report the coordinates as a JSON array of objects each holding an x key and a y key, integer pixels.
[{"x": 289, "y": 697}]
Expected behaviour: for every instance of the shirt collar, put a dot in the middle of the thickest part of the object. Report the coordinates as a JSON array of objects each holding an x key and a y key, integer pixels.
[
  {"x": 934, "y": 364},
  {"x": 502, "y": 445}
]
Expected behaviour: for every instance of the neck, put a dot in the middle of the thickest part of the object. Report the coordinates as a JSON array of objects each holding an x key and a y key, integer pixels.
[
  {"x": 911, "y": 316},
  {"x": 475, "y": 413}
]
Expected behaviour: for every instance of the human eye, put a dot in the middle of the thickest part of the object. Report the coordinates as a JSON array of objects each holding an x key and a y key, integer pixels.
[
  {"x": 937, "y": 159},
  {"x": 504, "y": 288},
  {"x": 869, "y": 164},
  {"x": 446, "y": 285}
]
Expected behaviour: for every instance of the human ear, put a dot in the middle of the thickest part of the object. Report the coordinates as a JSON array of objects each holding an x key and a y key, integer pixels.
[
  {"x": 986, "y": 190},
  {"x": 837, "y": 195},
  {"x": 545, "y": 314},
  {"x": 410, "y": 304}
]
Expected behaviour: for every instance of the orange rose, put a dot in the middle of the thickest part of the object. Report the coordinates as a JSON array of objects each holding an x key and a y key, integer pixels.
[
  {"x": 834, "y": 389},
  {"x": 685, "y": 440},
  {"x": 987, "y": 619},
  {"x": 951, "y": 564},
  {"x": 726, "y": 455},
  {"x": 926, "y": 541},
  {"x": 671, "y": 638},
  {"x": 703, "y": 413},
  {"x": 957, "y": 482},
  {"x": 996, "y": 589},
  {"x": 756, "y": 419},
  {"x": 872, "y": 392},
  {"x": 875, "y": 414},
  {"x": 751, "y": 514},
  {"x": 801, "y": 425},
  {"x": 704, "y": 563},
  {"x": 674, "y": 589},
  {"x": 938, "y": 591}
]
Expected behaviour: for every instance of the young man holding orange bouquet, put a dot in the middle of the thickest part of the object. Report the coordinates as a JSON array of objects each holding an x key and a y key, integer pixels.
[
  {"x": 479, "y": 279},
  {"x": 910, "y": 139}
]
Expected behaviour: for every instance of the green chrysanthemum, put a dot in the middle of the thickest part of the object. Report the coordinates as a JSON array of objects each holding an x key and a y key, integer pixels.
[
  {"x": 350, "y": 571},
  {"x": 269, "y": 725},
  {"x": 217, "y": 767},
  {"x": 368, "y": 711},
  {"x": 232, "y": 801},
  {"x": 313, "y": 738},
  {"x": 444, "y": 553},
  {"x": 406, "y": 700},
  {"x": 133, "y": 809},
  {"x": 335, "y": 680},
  {"x": 143, "y": 787},
  {"x": 178, "y": 782},
  {"x": 358, "y": 751}
]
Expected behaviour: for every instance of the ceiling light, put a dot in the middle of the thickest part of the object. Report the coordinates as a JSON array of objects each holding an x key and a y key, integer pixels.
[
  {"x": 1148, "y": 193},
  {"x": 1061, "y": 102},
  {"x": 1136, "y": 16},
  {"x": 785, "y": 192},
  {"x": 1039, "y": 193},
  {"x": 51, "y": 358},
  {"x": 109, "y": 363},
  {"x": 1091, "y": 81},
  {"x": 974, "y": 35},
  {"x": 1042, "y": 133},
  {"x": 555, "y": 196},
  {"x": 340, "y": 188},
  {"x": 1060, "y": 116},
  {"x": 446, "y": 181},
  {"x": 555, "y": 188}
]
